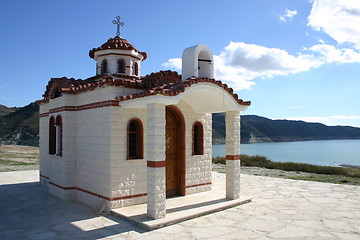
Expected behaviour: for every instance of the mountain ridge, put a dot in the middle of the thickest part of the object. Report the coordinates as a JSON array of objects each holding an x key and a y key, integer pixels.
[
  {"x": 20, "y": 126},
  {"x": 256, "y": 129}
]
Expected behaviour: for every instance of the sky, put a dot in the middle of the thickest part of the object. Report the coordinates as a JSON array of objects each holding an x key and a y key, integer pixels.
[{"x": 295, "y": 60}]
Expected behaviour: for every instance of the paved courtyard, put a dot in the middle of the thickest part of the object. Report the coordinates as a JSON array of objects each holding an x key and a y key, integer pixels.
[{"x": 280, "y": 209}]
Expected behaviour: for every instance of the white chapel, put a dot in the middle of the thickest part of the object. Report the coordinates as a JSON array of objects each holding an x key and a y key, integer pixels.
[{"x": 119, "y": 138}]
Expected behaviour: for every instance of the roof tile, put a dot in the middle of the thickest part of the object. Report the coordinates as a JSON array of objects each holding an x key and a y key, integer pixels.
[{"x": 166, "y": 83}]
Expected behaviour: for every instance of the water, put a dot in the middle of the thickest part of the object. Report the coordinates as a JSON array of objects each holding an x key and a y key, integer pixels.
[{"x": 326, "y": 153}]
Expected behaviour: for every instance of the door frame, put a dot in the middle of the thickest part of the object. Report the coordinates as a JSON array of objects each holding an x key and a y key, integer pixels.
[{"x": 181, "y": 148}]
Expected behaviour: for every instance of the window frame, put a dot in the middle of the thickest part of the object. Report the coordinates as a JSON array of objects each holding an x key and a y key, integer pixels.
[
  {"x": 104, "y": 67},
  {"x": 121, "y": 65},
  {"x": 139, "y": 139},
  {"x": 59, "y": 127},
  {"x": 197, "y": 138},
  {"x": 55, "y": 135},
  {"x": 52, "y": 136},
  {"x": 136, "y": 68}
]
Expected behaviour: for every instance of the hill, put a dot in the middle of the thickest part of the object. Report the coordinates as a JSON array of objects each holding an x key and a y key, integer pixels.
[
  {"x": 260, "y": 129},
  {"x": 20, "y": 126},
  {"x": 4, "y": 110}
]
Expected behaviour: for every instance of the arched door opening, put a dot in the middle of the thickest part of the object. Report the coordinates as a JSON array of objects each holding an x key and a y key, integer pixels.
[{"x": 175, "y": 152}]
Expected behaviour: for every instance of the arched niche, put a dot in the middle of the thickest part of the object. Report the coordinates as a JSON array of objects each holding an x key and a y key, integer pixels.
[{"x": 197, "y": 61}]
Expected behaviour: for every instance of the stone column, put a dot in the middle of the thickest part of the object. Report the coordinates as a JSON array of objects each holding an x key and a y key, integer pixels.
[
  {"x": 156, "y": 178},
  {"x": 233, "y": 155}
]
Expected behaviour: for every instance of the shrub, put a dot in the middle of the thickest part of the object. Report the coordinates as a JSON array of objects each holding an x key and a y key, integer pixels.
[{"x": 263, "y": 162}]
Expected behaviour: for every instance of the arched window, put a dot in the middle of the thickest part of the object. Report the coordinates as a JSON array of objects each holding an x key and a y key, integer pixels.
[
  {"x": 52, "y": 136},
  {"x": 104, "y": 66},
  {"x": 198, "y": 138},
  {"x": 58, "y": 126},
  {"x": 121, "y": 66},
  {"x": 135, "y": 139},
  {"x": 136, "y": 69},
  {"x": 55, "y": 136}
]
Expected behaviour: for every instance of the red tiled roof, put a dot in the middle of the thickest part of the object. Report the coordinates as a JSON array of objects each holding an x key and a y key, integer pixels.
[
  {"x": 166, "y": 83},
  {"x": 116, "y": 43}
]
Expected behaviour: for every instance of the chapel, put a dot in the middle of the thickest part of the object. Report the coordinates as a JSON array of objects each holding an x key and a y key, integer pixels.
[{"x": 119, "y": 138}]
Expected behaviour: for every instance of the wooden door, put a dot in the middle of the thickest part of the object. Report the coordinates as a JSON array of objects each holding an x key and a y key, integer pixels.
[{"x": 172, "y": 154}]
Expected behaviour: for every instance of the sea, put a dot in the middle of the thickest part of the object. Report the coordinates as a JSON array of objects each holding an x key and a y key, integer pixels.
[{"x": 324, "y": 152}]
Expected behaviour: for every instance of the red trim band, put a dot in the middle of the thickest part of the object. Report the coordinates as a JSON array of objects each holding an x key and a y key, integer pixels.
[
  {"x": 156, "y": 164},
  {"x": 44, "y": 176},
  {"x": 107, "y": 103},
  {"x": 198, "y": 185},
  {"x": 127, "y": 197},
  {"x": 96, "y": 194},
  {"x": 64, "y": 188},
  {"x": 120, "y": 54},
  {"x": 43, "y": 114},
  {"x": 232, "y": 157}
]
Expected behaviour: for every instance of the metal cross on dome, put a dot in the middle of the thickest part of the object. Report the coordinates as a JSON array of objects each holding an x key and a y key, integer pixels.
[{"x": 118, "y": 23}]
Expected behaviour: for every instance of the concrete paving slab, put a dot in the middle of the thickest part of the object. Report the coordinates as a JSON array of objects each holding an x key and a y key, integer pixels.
[
  {"x": 179, "y": 209},
  {"x": 280, "y": 209}
]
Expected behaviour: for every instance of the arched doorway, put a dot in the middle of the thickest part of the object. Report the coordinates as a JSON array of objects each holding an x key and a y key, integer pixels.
[{"x": 175, "y": 152}]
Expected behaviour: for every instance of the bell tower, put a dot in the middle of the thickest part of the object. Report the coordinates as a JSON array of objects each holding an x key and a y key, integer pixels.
[
  {"x": 117, "y": 56},
  {"x": 197, "y": 61}
]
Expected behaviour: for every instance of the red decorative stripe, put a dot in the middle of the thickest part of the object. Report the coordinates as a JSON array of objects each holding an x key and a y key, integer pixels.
[
  {"x": 61, "y": 109},
  {"x": 96, "y": 194},
  {"x": 44, "y": 114},
  {"x": 197, "y": 185},
  {"x": 44, "y": 176},
  {"x": 120, "y": 54},
  {"x": 64, "y": 188},
  {"x": 107, "y": 103},
  {"x": 232, "y": 157},
  {"x": 127, "y": 197},
  {"x": 156, "y": 164}
]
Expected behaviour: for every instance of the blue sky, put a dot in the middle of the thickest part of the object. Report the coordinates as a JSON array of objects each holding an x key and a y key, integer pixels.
[{"x": 295, "y": 60}]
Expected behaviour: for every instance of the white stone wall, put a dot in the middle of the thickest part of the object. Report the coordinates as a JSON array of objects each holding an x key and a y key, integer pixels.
[
  {"x": 112, "y": 61},
  {"x": 198, "y": 167},
  {"x": 85, "y": 161},
  {"x": 128, "y": 177},
  {"x": 44, "y": 145},
  {"x": 232, "y": 120},
  {"x": 95, "y": 151}
]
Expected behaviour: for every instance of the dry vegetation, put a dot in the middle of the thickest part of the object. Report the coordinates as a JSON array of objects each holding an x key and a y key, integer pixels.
[
  {"x": 259, "y": 165},
  {"x": 15, "y": 157}
]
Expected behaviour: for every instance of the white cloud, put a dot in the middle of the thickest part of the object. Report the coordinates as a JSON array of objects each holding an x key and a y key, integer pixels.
[
  {"x": 338, "y": 18},
  {"x": 239, "y": 63},
  {"x": 288, "y": 16},
  {"x": 331, "y": 54},
  {"x": 266, "y": 61},
  {"x": 173, "y": 63}
]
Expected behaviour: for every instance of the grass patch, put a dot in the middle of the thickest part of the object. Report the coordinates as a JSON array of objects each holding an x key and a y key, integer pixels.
[
  {"x": 263, "y": 162},
  {"x": 338, "y": 179},
  {"x": 15, "y": 163}
]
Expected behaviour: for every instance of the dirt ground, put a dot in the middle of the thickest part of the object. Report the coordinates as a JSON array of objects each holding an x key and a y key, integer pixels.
[{"x": 16, "y": 158}]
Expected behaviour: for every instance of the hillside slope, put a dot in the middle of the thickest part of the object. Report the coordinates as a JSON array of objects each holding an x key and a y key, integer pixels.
[
  {"x": 4, "y": 110},
  {"x": 21, "y": 126},
  {"x": 260, "y": 129}
]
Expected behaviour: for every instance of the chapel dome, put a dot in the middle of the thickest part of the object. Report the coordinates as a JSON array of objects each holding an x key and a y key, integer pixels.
[{"x": 116, "y": 43}]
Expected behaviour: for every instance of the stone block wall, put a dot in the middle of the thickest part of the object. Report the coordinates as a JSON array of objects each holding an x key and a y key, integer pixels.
[
  {"x": 128, "y": 176},
  {"x": 198, "y": 167},
  {"x": 94, "y": 168}
]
